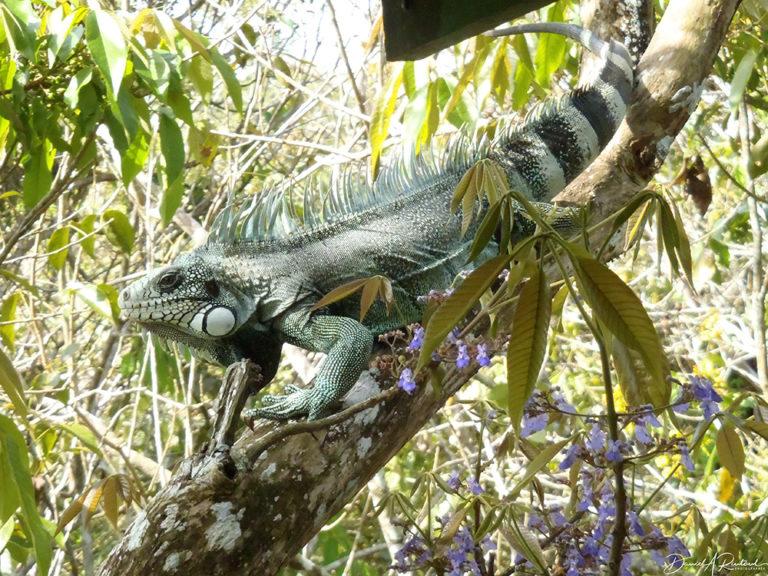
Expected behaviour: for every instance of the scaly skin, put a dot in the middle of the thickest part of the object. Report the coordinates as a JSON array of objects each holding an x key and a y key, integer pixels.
[{"x": 237, "y": 297}]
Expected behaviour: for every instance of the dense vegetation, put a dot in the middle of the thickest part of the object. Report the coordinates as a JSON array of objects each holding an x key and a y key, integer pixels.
[{"x": 124, "y": 132}]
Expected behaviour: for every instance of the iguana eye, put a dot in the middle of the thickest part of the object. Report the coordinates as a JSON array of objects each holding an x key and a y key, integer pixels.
[
  {"x": 212, "y": 287},
  {"x": 169, "y": 281}
]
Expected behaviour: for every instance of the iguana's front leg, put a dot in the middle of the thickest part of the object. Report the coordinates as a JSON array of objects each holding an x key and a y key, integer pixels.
[{"x": 348, "y": 346}]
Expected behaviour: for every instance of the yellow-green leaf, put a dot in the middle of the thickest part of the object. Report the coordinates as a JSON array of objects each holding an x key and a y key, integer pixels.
[
  {"x": 527, "y": 343},
  {"x": 730, "y": 450},
  {"x": 119, "y": 230},
  {"x": 540, "y": 461},
  {"x": 382, "y": 114},
  {"x": 7, "y": 317},
  {"x": 11, "y": 384},
  {"x": 107, "y": 45},
  {"x": 57, "y": 247},
  {"x": 614, "y": 303}
]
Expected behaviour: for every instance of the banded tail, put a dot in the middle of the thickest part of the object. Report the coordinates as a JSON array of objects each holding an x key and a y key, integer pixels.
[{"x": 560, "y": 138}]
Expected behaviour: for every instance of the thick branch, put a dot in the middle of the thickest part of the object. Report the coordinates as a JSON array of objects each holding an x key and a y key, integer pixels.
[{"x": 251, "y": 517}]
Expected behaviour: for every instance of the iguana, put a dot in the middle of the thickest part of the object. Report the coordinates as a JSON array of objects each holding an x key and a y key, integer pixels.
[{"x": 251, "y": 287}]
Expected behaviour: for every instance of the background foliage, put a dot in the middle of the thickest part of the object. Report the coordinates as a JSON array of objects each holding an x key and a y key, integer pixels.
[{"x": 124, "y": 131}]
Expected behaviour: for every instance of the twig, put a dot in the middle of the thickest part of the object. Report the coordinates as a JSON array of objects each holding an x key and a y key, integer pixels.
[
  {"x": 313, "y": 425},
  {"x": 355, "y": 89}
]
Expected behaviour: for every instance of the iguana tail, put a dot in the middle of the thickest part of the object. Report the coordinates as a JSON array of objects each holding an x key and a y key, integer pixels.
[{"x": 560, "y": 138}]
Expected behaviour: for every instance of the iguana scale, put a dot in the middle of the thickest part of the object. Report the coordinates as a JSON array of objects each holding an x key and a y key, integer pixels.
[{"x": 251, "y": 287}]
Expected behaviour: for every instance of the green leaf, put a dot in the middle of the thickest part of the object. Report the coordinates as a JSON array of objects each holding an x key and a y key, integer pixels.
[
  {"x": 101, "y": 298},
  {"x": 730, "y": 450},
  {"x": 104, "y": 38},
  {"x": 14, "y": 453},
  {"x": 6, "y": 531},
  {"x": 233, "y": 85},
  {"x": 135, "y": 157},
  {"x": 57, "y": 247},
  {"x": 8, "y": 314},
  {"x": 12, "y": 385},
  {"x": 37, "y": 174},
  {"x": 527, "y": 343},
  {"x": 18, "y": 34},
  {"x": 741, "y": 78},
  {"x": 524, "y": 541},
  {"x": 171, "y": 200},
  {"x": 83, "y": 228},
  {"x": 758, "y": 158},
  {"x": 551, "y": 48},
  {"x": 541, "y": 459},
  {"x": 500, "y": 72},
  {"x": 80, "y": 79},
  {"x": 431, "y": 117},
  {"x": 119, "y": 230},
  {"x": 458, "y": 305},
  {"x": 523, "y": 72},
  {"x": 614, "y": 303},
  {"x": 201, "y": 75},
  {"x": 635, "y": 380},
  {"x": 172, "y": 147},
  {"x": 382, "y": 114},
  {"x": 196, "y": 41},
  {"x": 84, "y": 434}
]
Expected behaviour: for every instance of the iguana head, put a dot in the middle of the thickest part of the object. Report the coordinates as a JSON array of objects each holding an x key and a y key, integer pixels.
[{"x": 186, "y": 302}]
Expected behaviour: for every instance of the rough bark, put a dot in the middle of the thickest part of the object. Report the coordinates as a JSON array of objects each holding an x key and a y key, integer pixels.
[{"x": 250, "y": 511}]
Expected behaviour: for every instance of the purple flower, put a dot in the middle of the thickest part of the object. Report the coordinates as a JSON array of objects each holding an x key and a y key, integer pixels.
[
  {"x": 676, "y": 546},
  {"x": 703, "y": 389},
  {"x": 613, "y": 454},
  {"x": 435, "y": 356},
  {"x": 462, "y": 360},
  {"x": 634, "y": 523},
  {"x": 561, "y": 403},
  {"x": 641, "y": 434},
  {"x": 453, "y": 336},
  {"x": 475, "y": 487},
  {"x": 415, "y": 546},
  {"x": 626, "y": 561},
  {"x": 418, "y": 339},
  {"x": 685, "y": 456},
  {"x": 574, "y": 451},
  {"x": 461, "y": 553},
  {"x": 454, "y": 482},
  {"x": 535, "y": 522},
  {"x": 533, "y": 424},
  {"x": 648, "y": 417},
  {"x": 596, "y": 439},
  {"x": 488, "y": 544},
  {"x": 406, "y": 381},
  {"x": 482, "y": 355},
  {"x": 586, "y": 483},
  {"x": 557, "y": 516}
]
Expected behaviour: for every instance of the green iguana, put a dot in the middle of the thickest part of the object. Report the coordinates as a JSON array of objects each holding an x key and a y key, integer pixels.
[{"x": 251, "y": 287}]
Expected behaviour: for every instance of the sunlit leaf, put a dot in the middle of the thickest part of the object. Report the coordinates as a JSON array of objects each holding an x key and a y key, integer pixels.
[
  {"x": 107, "y": 45},
  {"x": 527, "y": 343},
  {"x": 622, "y": 312},
  {"x": 57, "y": 247},
  {"x": 541, "y": 459},
  {"x": 11, "y": 383},
  {"x": 7, "y": 318},
  {"x": 13, "y": 450},
  {"x": 730, "y": 450},
  {"x": 230, "y": 80},
  {"x": 37, "y": 174},
  {"x": 119, "y": 230},
  {"x": 741, "y": 78},
  {"x": 382, "y": 114}
]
